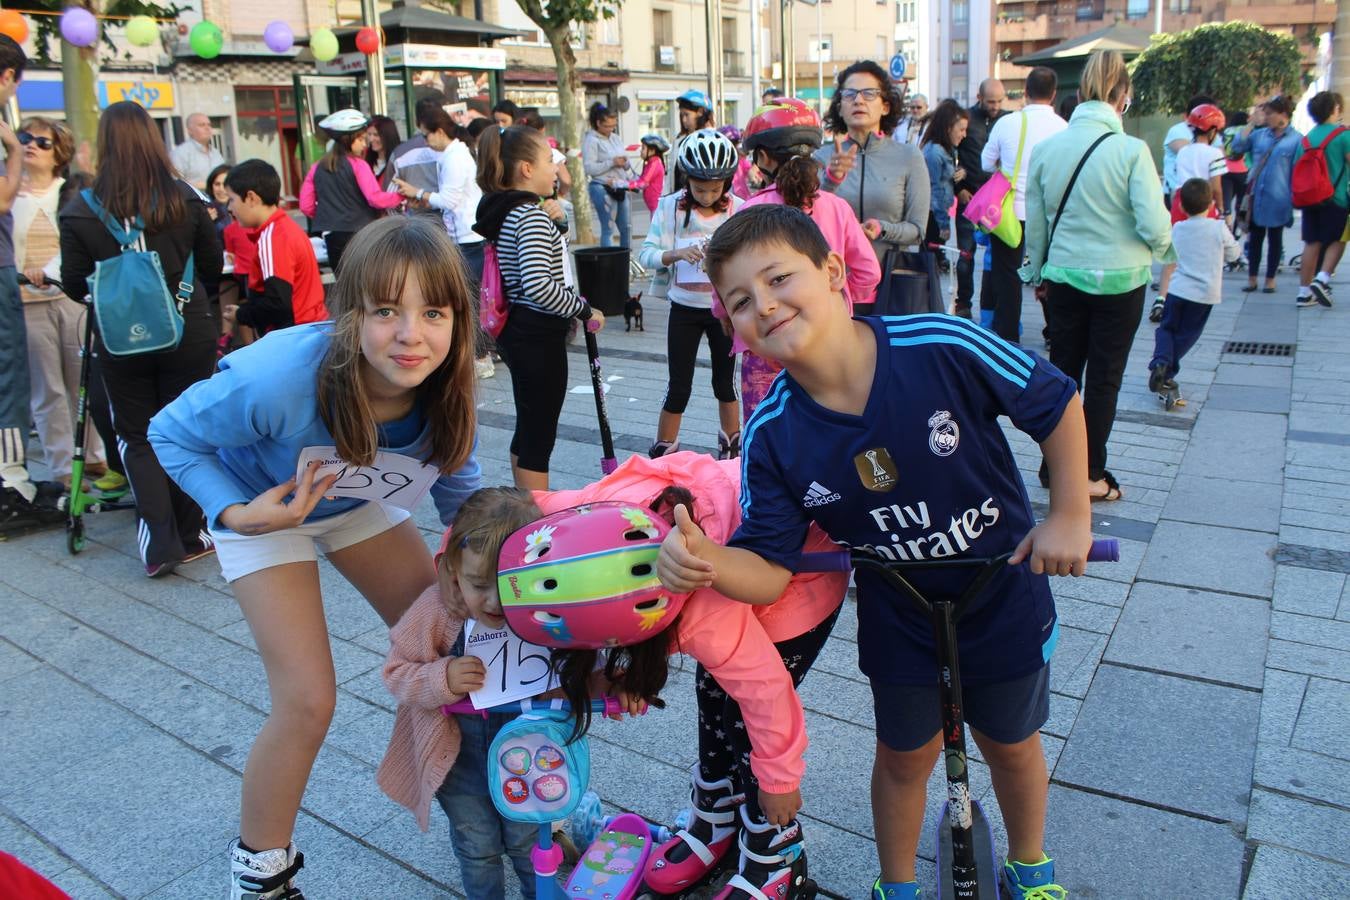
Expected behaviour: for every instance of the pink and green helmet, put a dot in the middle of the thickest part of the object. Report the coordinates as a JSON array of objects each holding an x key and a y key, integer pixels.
[{"x": 585, "y": 578}]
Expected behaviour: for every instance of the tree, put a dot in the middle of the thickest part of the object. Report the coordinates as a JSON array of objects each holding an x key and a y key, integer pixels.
[
  {"x": 1233, "y": 62},
  {"x": 79, "y": 66},
  {"x": 555, "y": 18}
]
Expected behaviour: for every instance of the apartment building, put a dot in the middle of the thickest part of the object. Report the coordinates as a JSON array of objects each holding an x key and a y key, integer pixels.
[
  {"x": 829, "y": 37},
  {"x": 1022, "y": 27},
  {"x": 947, "y": 45}
]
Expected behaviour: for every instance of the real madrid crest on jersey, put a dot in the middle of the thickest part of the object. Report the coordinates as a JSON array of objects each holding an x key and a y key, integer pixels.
[{"x": 946, "y": 434}]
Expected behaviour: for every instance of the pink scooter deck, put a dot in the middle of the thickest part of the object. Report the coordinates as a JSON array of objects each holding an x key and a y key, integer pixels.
[{"x": 612, "y": 866}]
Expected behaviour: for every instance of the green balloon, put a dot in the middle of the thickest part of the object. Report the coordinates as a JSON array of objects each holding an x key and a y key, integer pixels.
[
  {"x": 206, "y": 40},
  {"x": 142, "y": 31},
  {"x": 323, "y": 44}
]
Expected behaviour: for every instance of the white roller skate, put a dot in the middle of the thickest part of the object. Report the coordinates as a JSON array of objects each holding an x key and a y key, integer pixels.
[
  {"x": 265, "y": 875},
  {"x": 773, "y": 864}
]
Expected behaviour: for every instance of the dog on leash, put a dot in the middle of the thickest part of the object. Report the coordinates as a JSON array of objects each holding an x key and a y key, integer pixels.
[{"x": 632, "y": 312}]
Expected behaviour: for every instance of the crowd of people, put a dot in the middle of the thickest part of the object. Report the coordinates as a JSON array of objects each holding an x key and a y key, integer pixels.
[{"x": 767, "y": 240}]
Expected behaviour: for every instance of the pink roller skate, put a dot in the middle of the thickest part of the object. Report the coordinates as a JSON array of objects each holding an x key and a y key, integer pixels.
[{"x": 688, "y": 858}]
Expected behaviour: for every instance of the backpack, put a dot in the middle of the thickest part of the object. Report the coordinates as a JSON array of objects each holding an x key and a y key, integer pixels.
[
  {"x": 135, "y": 311},
  {"x": 1311, "y": 180},
  {"x": 493, "y": 306},
  {"x": 534, "y": 774}
]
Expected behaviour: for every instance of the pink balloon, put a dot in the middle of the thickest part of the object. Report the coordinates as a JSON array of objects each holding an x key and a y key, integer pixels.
[
  {"x": 79, "y": 27},
  {"x": 278, "y": 37}
]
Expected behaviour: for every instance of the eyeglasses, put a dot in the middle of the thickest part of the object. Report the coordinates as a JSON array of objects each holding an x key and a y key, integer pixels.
[
  {"x": 44, "y": 143},
  {"x": 917, "y": 106},
  {"x": 868, "y": 94}
]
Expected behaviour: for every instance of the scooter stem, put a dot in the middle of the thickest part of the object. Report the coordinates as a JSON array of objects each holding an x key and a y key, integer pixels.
[{"x": 965, "y": 875}]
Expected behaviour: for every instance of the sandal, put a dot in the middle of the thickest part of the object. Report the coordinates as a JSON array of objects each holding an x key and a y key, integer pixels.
[
  {"x": 1249, "y": 288},
  {"x": 1113, "y": 492}
]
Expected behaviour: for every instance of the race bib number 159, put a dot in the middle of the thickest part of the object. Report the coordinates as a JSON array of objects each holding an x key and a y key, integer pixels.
[{"x": 393, "y": 478}]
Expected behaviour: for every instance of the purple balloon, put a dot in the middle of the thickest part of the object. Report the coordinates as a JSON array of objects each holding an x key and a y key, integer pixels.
[
  {"x": 278, "y": 37},
  {"x": 79, "y": 27}
]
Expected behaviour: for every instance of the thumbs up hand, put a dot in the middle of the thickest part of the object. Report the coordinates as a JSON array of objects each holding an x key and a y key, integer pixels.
[{"x": 680, "y": 565}]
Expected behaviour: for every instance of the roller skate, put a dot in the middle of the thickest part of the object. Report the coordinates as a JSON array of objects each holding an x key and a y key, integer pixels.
[
  {"x": 1155, "y": 313},
  {"x": 661, "y": 448},
  {"x": 697, "y": 851},
  {"x": 773, "y": 865},
  {"x": 728, "y": 447},
  {"x": 265, "y": 875}
]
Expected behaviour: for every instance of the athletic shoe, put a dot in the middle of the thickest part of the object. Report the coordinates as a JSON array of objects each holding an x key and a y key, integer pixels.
[
  {"x": 110, "y": 482},
  {"x": 1306, "y": 300},
  {"x": 19, "y": 515},
  {"x": 1157, "y": 377},
  {"x": 661, "y": 448},
  {"x": 904, "y": 890},
  {"x": 484, "y": 368},
  {"x": 1321, "y": 292},
  {"x": 266, "y": 875},
  {"x": 1156, "y": 313},
  {"x": 728, "y": 447},
  {"x": 1024, "y": 882},
  {"x": 195, "y": 549},
  {"x": 159, "y": 570}
]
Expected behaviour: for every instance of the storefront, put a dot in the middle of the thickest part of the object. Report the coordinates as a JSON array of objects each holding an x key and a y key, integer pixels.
[
  {"x": 41, "y": 93},
  {"x": 536, "y": 88}
]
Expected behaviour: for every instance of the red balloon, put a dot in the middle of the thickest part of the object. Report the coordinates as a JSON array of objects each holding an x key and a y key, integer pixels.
[{"x": 367, "y": 41}]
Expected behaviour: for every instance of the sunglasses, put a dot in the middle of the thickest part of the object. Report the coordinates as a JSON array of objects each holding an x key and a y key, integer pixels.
[{"x": 44, "y": 143}]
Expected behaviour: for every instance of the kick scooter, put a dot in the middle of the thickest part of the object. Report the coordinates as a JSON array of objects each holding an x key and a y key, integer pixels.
[
  {"x": 967, "y": 861},
  {"x": 78, "y": 501},
  {"x": 607, "y": 461}
]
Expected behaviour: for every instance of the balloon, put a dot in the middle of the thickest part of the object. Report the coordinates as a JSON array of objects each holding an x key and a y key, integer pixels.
[
  {"x": 79, "y": 27},
  {"x": 142, "y": 31},
  {"x": 206, "y": 40},
  {"x": 13, "y": 25},
  {"x": 323, "y": 44},
  {"x": 278, "y": 37},
  {"x": 367, "y": 41}
]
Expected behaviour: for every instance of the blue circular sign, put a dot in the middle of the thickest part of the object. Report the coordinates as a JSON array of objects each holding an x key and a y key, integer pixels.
[{"x": 898, "y": 66}]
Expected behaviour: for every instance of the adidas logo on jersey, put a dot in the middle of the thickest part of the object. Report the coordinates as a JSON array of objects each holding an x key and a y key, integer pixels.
[{"x": 818, "y": 495}]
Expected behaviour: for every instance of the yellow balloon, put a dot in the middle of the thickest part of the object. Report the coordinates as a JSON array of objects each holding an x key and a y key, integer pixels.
[
  {"x": 142, "y": 31},
  {"x": 323, "y": 44}
]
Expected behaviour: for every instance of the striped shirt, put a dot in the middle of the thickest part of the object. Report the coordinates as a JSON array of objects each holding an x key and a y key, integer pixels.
[{"x": 531, "y": 253}]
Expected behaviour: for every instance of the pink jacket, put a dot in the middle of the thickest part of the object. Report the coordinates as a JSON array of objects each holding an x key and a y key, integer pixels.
[
  {"x": 734, "y": 641},
  {"x": 425, "y": 741},
  {"x": 835, "y": 219},
  {"x": 653, "y": 177},
  {"x": 365, "y": 180}
]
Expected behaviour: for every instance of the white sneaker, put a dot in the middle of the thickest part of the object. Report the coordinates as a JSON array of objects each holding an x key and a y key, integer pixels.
[
  {"x": 266, "y": 875},
  {"x": 484, "y": 367}
]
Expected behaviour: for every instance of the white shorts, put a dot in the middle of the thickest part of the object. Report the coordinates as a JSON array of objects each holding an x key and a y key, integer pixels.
[{"x": 241, "y": 554}]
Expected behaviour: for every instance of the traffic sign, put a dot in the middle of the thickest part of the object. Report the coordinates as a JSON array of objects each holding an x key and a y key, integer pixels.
[{"x": 898, "y": 66}]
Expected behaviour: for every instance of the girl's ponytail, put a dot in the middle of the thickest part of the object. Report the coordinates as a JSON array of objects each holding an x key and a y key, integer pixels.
[
  {"x": 798, "y": 180},
  {"x": 491, "y": 171},
  {"x": 500, "y": 150}
]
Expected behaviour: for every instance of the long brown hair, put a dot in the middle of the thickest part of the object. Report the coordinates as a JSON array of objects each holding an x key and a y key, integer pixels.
[
  {"x": 135, "y": 176},
  {"x": 501, "y": 150},
  {"x": 484, "y": 522},
  {"x": 379, "y": 261},
  {"x": 339, "y": 150}
]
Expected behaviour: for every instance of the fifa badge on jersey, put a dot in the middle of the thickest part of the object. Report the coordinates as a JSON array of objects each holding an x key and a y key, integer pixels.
[
  {"x": 946, "y": 434},
  {"x": 876, "y": 470}
]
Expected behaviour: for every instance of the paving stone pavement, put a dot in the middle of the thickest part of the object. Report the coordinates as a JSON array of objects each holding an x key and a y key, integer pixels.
[{"x": 1201, "y": 689}]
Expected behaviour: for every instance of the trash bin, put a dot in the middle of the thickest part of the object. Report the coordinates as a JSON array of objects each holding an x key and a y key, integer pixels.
[{"x": 602, "y": 277}]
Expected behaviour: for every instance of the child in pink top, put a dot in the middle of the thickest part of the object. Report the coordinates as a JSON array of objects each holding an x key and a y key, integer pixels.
[
  {"x": 435, "y": 756},
  {"x": 654, "y": 149},
  {"x": 780, "y": 140},
  {"x": 752, "y": 731}
]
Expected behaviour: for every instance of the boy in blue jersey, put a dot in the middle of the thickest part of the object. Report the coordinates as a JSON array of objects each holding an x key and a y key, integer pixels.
[{"x": 883, "y": 431}]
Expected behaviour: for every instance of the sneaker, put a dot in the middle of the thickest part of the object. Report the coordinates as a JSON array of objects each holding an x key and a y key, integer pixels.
[
  {"x": 1306, "y": 300},
  {"x": 904, "y": 890},
  {"x": 1157, "y": 377},
  {"x": 266, "y": 875},
  {"x": 728, "y": 447},
  {"x": 661, "y": 448},
  {"x": 201, "y": 546},
  {"x": 111, "y": 482},
  {"x": 1321, "y": 292},
  {"x": 1025, "y": 882},
  {"x": 19, "y": 515},
  {"x": 159, "y": 570},
  {"x": 484, "y": 368},
  {"x": 1156, "y": 313}
]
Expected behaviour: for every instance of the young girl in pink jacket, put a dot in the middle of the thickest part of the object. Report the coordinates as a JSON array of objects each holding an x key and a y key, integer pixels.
[
  {"x": 654, "y": 149},
  {"x": 445, "y": 758},
  {"x": 752, "y": 731}
]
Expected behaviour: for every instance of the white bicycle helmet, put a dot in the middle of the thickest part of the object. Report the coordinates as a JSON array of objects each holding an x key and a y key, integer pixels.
[
  {"x": 708, "y": 156},
  {"x": 345, "y": 121}
]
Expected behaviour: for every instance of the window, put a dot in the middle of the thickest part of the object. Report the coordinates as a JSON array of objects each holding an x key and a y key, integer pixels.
[
  {"x": 960, "y": 52},
  {"x": 1179, "y": 6},
  {"x": 663, "y": 27},
  {"x": 1137, "y": 9},
  {"x": 607, "y": 30},
  {"x": 960, "y": 12}
]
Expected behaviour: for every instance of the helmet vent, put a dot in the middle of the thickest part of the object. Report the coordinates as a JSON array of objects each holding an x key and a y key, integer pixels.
[
  {"x": 639, "y": 534},
  {"x": 650, "y": 604},
  {"x": 547, "y": 584},
  {"x": 642, "y": 570}
]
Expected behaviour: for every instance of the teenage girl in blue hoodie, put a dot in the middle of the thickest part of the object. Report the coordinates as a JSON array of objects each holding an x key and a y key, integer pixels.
[{"x": 392, "y": 372}]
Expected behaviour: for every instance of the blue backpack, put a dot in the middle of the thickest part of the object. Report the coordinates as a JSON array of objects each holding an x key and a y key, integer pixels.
[
  {"x": 534, "y": 775},
  {"x": 136, "y": 313}
]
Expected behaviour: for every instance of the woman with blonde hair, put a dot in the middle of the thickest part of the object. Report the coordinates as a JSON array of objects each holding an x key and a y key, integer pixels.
[
  {"x": 1095, "y": 224},
  {"x": 55, "y": 332}
]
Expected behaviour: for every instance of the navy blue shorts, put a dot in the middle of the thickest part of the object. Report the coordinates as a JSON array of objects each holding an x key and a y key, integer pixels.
[
  {"x": 1324, "y": 223},
  {"x": 1009, "y": 712}
]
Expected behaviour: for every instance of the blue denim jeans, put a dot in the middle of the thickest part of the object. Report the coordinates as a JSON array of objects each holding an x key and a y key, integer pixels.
[
  {"x": 607, "y": 208},
  {"x": 478, "y": 832}
]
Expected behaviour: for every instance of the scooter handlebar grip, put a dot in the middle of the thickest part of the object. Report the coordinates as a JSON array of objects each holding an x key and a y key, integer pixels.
[{"x": 1104, "y": 550}]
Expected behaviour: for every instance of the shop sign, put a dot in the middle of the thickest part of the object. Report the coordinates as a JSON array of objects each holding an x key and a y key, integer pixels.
[
  {"x": 149, "y": 94},
  {"x": 436, "y": 56}
]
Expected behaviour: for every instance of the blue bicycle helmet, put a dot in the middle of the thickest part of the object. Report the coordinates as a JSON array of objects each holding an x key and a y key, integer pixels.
[{"x": 694, "y": 99}]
